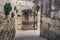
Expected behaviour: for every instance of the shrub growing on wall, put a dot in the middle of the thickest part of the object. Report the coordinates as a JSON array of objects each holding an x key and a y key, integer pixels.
[
  {"x": 12, "y": 14},
  {"x": 15, "y": 9},
  {"x": 7, "y": 9}
]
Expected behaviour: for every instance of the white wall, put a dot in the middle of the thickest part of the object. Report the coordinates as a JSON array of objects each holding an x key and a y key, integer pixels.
[{"x": 13, "y": 2}]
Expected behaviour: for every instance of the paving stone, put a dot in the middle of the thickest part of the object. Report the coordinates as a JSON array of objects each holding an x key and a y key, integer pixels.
[{"x": 28, "y": 35}]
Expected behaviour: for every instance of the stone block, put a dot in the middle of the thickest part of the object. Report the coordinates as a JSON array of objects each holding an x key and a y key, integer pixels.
[
  {"x": 57, "y": 22},
  {"x": 53, "y": 22},
  {"x": 44, "y": 25},
  {"x": 53, "y": 7},
  {"x": 59, "y": 14},
  {"x": 27, "y": 27},
  {"x": 44, "y": 19},
  {"x": 52, "y": 14}
]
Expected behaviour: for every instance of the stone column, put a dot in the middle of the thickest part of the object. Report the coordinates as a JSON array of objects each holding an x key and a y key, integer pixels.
[
  {"x": 38, "y": 20},
  {"x": 18, "y": 18}
]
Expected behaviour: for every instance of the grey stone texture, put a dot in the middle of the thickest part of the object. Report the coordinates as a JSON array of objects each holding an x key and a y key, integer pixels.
[{"x": 50, "y": 26}]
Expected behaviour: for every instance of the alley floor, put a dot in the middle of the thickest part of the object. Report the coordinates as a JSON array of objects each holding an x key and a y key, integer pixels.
[{"x": 28, "y": 35}]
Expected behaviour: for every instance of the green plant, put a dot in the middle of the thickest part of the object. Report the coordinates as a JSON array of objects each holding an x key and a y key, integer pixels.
[
  {"x": 12, "y": 14},
  {"x": 7, "y": 8},
  {"x": 15, "y": 9},
  {"x": 37, "y": 8}
]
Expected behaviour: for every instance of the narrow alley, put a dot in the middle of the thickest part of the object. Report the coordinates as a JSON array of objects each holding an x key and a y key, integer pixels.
[{"x": 28, "y": 35}]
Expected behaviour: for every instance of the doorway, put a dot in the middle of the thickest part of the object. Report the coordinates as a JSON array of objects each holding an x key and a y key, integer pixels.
[{"x": 29, "y": 21}]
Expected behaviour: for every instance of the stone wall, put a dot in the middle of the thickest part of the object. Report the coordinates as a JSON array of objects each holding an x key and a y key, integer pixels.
[
  {"x": 50, "y": 26},
  {"x": 7, "y": 30}
]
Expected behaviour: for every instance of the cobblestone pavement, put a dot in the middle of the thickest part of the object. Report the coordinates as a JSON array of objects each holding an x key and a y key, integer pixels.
[{"x": 28, "y": 35}]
